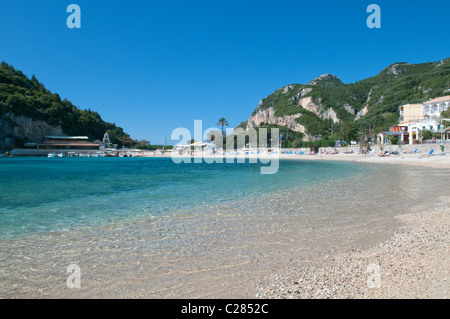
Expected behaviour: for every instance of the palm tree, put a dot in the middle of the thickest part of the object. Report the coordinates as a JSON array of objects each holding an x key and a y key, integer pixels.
[{"x": 222, "y": 122}]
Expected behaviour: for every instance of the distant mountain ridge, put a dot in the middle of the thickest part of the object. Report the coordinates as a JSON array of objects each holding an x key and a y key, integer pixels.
[
  {"x": 326, "y": 103},
  {"x": 28, "y": 112}
]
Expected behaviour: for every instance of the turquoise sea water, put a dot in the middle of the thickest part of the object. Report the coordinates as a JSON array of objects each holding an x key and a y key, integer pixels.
[
  {"x": 149, "y": 228},
  {"x": 45, "y": 195}
]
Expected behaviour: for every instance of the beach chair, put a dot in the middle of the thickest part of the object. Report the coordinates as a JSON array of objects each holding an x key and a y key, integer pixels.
[
  {"x": 290, "y": 152},
  {"x": 415, "y": 151},
  {"x": 428, "y": 154}
]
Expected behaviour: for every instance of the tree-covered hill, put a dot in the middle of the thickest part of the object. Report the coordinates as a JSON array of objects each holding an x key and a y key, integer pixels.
[
  {"x": 323, "y": 105},
  {"x": 28, "y": 97}
]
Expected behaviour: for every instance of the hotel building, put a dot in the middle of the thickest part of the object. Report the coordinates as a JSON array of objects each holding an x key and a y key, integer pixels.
[{"x": 415, "y": 118}]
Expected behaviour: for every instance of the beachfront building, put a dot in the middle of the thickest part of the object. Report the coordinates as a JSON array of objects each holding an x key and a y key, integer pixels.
[
  {"x": 416, "y": 118},
  {"x": 433, "y": 108},
  {"x": 410, "y": 112},
  {"x": 67, "y": 143},
  {"x": 398, "y": 131}
]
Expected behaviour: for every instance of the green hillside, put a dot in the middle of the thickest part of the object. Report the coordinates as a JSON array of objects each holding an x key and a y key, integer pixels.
[
  {"x": 381, "y": 95},
  {"x": 27, "y": 97}
]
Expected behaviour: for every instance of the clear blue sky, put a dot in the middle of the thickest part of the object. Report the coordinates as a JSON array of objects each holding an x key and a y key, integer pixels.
[{"x": 152, "y": 66}]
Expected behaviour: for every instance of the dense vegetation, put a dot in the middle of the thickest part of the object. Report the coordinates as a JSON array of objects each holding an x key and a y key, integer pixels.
[
  {"x": 381, "y": 95},
  {"x": 446, "y": 115},
  {"x": 28, "y": 97},
  {"x": 288, "y": 139}
]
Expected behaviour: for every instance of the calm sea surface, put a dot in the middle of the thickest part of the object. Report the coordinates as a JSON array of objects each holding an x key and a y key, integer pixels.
[
  {"x": 147, "y": 227},
  {"x": 42, "y": 195}
]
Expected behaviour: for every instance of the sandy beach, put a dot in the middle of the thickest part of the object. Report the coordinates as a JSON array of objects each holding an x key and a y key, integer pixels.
[
  {"x": 419, "y": 159},
  {"x": 410, "y": 159}
]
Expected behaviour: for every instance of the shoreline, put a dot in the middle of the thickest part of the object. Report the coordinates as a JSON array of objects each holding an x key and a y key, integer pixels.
[
  {"x": 412, "y": 155},
  {"x": 409, "y": 160},
  {"x": 346, "y": 269},
  {"x": 435, "y": 161},
  {"x": 412, "y": 264}
]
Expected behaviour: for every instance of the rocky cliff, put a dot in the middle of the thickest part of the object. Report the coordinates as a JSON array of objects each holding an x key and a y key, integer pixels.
[
  {"x": 320, "y": 107},
  {"x": 16, "y": 130}
]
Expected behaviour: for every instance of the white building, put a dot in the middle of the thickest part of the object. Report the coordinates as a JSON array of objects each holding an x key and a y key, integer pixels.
[
  {"x": 430, "y": 119},
  {"x": 432, "y": 109}
]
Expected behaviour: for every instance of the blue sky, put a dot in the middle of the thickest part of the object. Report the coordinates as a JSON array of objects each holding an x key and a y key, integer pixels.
[{"x": 152, "y": 66}]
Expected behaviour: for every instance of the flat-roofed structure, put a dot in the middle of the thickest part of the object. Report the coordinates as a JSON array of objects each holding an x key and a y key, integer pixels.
[
  {"x": 411, "y": 112},
  {"x": 433, "y": 108},
  {"x": 423, "y": 117},
  {"x": 67, "y": 143}
]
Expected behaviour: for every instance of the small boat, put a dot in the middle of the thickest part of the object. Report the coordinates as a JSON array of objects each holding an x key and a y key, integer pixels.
[
  {"x": 101, "y": 154},
  {"x": 52, "y": 155},
  {"x": 61, "y": 155}
]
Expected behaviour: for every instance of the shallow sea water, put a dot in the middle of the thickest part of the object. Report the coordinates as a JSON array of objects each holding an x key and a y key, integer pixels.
[{"x": 150, "y": 228}]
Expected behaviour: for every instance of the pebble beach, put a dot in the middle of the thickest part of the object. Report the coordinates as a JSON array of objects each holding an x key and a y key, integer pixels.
[
  {"x": 334, "y": 249},
  {"x": 414, "y": 263}
]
